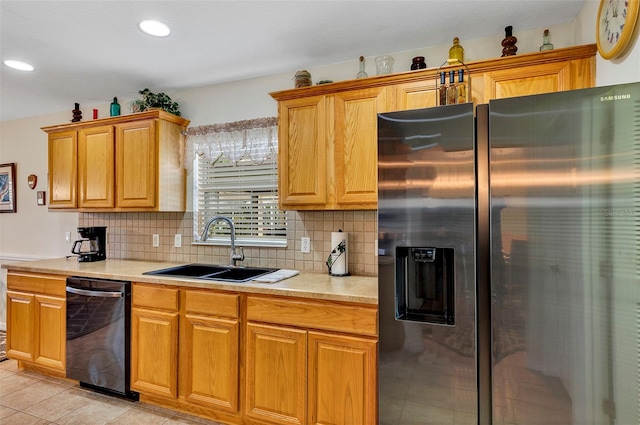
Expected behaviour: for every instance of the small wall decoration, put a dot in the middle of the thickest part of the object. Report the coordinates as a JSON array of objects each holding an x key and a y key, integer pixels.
[
  {"x": 8, "y": 187},
  {"x": 42, "y": 197},
  {"x": 32, "y": 181}
]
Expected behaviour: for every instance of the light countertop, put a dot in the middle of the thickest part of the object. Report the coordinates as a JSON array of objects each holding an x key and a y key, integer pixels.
[{"x": 355, "y": 289}]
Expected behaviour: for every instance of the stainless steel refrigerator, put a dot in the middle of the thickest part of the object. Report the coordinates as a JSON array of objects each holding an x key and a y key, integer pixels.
[{"x": 509, "y": 261}]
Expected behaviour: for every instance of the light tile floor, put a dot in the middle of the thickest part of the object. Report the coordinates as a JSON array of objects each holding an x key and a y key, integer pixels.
[{"x": 28, "y": 398}]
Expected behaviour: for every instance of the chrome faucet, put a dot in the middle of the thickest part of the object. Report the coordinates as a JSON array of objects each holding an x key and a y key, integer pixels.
[{"x": 233, "y": 256}]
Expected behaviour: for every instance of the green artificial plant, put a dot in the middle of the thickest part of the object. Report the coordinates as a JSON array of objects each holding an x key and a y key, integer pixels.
[{"x": 156, "y": 100}]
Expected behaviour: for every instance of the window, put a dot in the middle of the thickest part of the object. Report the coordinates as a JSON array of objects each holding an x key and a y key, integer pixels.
[{"x": 236, "y": 176}]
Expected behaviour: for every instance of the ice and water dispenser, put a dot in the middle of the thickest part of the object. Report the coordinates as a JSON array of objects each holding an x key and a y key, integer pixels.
[{"x": 425, "y": 285}]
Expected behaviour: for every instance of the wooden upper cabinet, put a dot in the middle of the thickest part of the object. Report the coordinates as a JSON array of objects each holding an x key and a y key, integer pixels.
[
  {"x": 126, "y": 163},
  {"x": 302, "y": 155},
  {"x": 356, "y": 147},
  {"x": 63, "y": 171},
  {"x": 536, "y": 79},
  {"x": 327, "y": 135},
  {"x": 96, "y": 167},
  {"x": 415, "y": 95},
  {"x": 136, "y": 164}
]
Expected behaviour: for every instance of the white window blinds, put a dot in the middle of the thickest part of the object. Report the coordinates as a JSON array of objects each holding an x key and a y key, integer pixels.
[{"x": 242, "y": 189}]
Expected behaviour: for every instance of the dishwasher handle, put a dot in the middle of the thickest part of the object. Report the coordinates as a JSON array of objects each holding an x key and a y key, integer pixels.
[{"x": 102, "y": 294}]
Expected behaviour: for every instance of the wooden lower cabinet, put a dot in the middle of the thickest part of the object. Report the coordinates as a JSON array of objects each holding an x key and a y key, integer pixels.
[
  {"x": 51, "y": 320},
  {"x": 342, "y": 379},
  {"x": 154, "y": 340},
  {"x": 154, "y": 352},
  {"x": 209, "y": 375},
  {"x": 36, "y": 321},
  {"x": 21, "y": 318},
  {"x": 302, "y": 368},
  {"x": 276, "y": 374},
  {"x": 185, "y": 350}
]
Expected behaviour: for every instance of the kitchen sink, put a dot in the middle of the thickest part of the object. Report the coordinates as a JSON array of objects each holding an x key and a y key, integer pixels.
[{"x": 213, "y": 272}]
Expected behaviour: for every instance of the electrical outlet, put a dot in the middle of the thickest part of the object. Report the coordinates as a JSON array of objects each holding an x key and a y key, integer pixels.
[
  {"x": 177, "y": 240},
  {"x": 156, "y": 240},
  {"x": 67, "y": 236},
  {"x": 305, "y": 245}
]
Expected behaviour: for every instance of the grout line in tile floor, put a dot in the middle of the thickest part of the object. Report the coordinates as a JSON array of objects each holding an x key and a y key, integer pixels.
[{"x": 28, "y": 398}]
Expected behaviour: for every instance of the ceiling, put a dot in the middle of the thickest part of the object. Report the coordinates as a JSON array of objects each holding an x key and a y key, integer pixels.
[{"x": 90, "y": 50}]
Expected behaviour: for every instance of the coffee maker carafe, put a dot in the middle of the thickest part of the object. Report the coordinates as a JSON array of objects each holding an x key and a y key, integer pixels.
[{"x": 92, "y": 246}]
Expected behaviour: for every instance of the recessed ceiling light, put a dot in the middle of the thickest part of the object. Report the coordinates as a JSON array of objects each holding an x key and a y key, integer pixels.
[
  {"x": 154, "y": 28},
  {"x": 19, "y": 65}
]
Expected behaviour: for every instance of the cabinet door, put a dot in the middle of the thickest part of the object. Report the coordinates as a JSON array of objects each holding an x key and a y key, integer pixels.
[
  {"x": 356, "y": 147},
  {"x": 63, "y": 160},
  {"x": 50, "y": 346},
  {"x": 342, "y": 379},
  {"x": 154, "y": 352},
  {"x": 96, "y": 167},
  {"x": 20, "y": 325},
  {"x": 536, "y": 79},
  {"x": 276, "y": 374},
  {"x": 136, "y": 164},
  {"x": 416, "y": 95},
  {"x": 302, "y": 152},
  {"x": 209, "y": 362}
]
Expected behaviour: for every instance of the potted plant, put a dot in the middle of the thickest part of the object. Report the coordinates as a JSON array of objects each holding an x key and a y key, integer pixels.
[{"x": 155, "y": 100}]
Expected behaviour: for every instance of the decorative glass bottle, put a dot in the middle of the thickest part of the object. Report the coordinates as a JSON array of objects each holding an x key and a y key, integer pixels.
[
  {"x": 456, "y": 51},
  {"x": 361, "y": 73},
  {"x": 546, "y": 45},
  {"x": 418, "y": 63},
  {"x": 509, "y": 42},
  {"x": 114, "y": 111}
]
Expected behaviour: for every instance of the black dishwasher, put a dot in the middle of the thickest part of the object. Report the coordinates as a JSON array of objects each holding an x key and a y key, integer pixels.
[{"x": 98, "y": 334}]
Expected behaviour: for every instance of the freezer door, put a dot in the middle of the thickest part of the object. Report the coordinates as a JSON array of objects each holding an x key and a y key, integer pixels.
[
  {"x": 426, "y": 187},
  {"x": 565, "y": 228}
]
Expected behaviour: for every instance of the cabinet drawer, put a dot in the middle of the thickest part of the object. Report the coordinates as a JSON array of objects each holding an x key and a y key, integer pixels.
[
  {"x": 155, "y": 297},
  {"x": 37, "y": 283},
  {"x": 315, "y": 315},
  {"x": 211, "y": 303}
]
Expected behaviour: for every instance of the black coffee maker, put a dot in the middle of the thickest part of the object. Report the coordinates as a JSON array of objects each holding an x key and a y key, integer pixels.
[{"x": 92, "y": 246}]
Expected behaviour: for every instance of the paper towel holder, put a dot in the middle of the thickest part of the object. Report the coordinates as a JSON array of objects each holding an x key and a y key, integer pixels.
[{"x": 339, "y": 250}]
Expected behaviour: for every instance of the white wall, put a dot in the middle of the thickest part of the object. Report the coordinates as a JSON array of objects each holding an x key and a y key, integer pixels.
[{"x": 35, "y": 232}]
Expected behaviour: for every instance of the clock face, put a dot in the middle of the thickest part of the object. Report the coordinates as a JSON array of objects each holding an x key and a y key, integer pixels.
[{"x": 616, "y": 21}]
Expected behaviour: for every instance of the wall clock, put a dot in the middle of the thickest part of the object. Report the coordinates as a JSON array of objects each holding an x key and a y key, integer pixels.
[{"x": 614, "y": 27}]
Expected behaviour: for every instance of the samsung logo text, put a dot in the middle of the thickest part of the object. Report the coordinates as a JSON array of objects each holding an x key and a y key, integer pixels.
[{"x": 613, "y": 97}]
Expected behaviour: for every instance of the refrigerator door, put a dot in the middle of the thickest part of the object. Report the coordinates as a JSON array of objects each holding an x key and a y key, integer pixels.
[
  {"x": 565, "y": 263},
  {"x": 426, "y": 187}
]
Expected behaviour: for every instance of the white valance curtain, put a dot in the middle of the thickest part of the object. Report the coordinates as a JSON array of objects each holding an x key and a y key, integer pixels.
[{"x": 255, "y": 140}]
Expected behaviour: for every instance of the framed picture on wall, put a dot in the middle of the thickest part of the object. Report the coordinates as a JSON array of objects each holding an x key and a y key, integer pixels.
[{"x": 8, "y": 187}]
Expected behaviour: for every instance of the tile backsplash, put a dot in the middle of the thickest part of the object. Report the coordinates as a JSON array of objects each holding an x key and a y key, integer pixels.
[{"x": 129, "y": 236}]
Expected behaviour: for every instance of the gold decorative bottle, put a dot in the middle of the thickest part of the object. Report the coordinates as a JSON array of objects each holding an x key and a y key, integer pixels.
[{"x": 456, "y": 52}]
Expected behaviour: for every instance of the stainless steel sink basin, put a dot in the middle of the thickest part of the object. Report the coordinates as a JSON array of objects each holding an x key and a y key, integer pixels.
[{"x": 213, "y": 272}]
